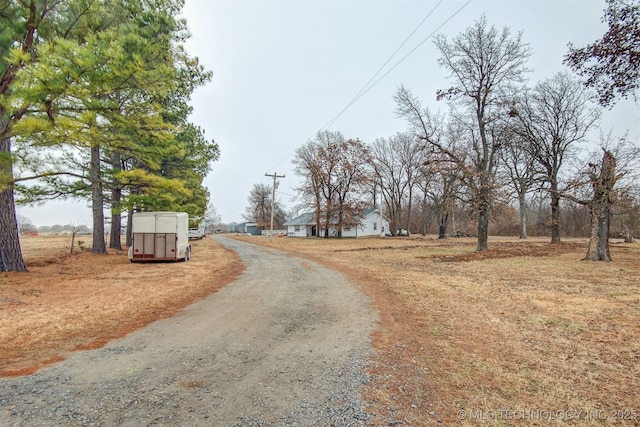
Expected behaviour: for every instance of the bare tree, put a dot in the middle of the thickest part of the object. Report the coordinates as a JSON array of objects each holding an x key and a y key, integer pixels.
[
  {"x": 25, "y": 224},
  {"x": 309, "y": 193},
  {"x": 396, "y": 162},
  {"x": 612, "y": 64},
  {"x": 334, "y": 173},
  {"x": 412, "y": 157},
  {"x": 352, "y": 179},
  {"x": 520, "y": 170},
  {"x": 259, "y": 209},
  {"x": 551, "y": 119},
  {"x": 483, "y": 64},
  {"x": 440, "y": 178},
  {"x": 626, "y": 215},
  {"x": 441, "y": 188},
  {"x": 602, "y": 180},
  {"x": 607, "y": 180},
  {"x": 317, "y": 160},
  {"x": 211, "y": 215}
]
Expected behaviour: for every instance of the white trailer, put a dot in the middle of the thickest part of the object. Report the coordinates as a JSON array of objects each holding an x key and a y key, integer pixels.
[{"x": 160, "y": 236}]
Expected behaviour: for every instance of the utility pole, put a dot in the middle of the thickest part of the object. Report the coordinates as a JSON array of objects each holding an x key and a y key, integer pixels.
[{"x": 273, "y": 198}]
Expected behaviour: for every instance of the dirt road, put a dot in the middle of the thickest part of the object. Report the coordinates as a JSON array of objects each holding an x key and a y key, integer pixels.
[{"x": 285, "y": 344}]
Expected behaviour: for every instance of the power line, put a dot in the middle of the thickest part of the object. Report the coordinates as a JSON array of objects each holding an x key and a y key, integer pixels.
[
  {"x": 285, "y": 194},
  {"x": 367, "y": 87},
  {"x": 362, "y": 91}
]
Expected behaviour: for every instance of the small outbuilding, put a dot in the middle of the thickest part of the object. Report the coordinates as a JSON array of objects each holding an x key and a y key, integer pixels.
[{"x": 245, "y": 228}]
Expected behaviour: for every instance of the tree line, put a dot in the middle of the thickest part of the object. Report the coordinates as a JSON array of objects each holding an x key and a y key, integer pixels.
[
  {"x": 94, "y": 105},
  {"x": 500, "y": 140}
]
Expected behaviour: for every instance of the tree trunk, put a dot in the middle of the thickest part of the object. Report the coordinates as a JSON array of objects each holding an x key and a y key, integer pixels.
[
  {"x": 522, "y": 204},
  {"x": 393, "y": 227},
  {"x": 555, "y": 213},
  {"x": 115, "y": 241},
  {"x": 424, "y": 215},
  {"x": 442, "y": 226},
  {"x": 409, "y": 204},
  {"x": 129, "y": 238},
  {"x": 327, "y": 221},
  {"x": 397, "y": 226},
  {"x": 599, "y": 238},
  {"x": 10, "y": 251},
  {"x": 317, "y": 234},
  {"x": 541, "y": 228},
  {"x": 97, "y": 206},
  {"x": 604, "y": 222},
  {"x": 484, "y": 202},
  {"x": 600, "y": 209},
  {"x": 628, "y": 237},
  {"x": 393, "y": 219},
  {"x": 483, "y": 230},
  {"x": 454, "y": 225}
]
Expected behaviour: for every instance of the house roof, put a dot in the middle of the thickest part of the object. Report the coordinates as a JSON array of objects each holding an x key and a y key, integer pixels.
[
  {"x": 305, "y": 218},
  {"x": 242, "y": 224}
]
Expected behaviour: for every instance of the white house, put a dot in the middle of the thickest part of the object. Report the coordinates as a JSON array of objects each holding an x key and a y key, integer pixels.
[{"x": 373, "y": 224}]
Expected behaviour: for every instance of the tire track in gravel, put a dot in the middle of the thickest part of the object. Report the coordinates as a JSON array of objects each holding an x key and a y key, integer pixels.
[{"x": 285, "y": 344}]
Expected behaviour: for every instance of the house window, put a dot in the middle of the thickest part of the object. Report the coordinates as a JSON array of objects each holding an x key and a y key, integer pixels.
[
  {"x": 297, "y": 228},
  {"x": 375, "y": 226}
]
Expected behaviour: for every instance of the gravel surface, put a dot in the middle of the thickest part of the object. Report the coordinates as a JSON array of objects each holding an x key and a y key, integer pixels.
[{"x": 284, "y": 345}]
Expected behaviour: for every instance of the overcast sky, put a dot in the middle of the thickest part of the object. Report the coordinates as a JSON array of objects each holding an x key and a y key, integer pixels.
[{"x": 282, "y": 70}]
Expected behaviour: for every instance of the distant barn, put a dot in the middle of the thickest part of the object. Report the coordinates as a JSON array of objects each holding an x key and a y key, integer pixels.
[{"x": 245, "y": 228}]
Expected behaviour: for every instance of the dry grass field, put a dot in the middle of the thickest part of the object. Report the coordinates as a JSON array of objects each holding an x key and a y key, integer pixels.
[
  {"x": 47, "y": 248},
  {"x": 523, "y": 334},
  {"x": 69, "y": 302}
]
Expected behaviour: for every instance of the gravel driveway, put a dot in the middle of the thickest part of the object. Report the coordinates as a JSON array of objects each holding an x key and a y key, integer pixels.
[{"x": 284, "y": 345}]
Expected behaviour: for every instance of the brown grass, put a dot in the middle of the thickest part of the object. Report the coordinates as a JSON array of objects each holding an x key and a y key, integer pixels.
[
  {"x": 525, "y": 326},
  {"x": 69, "y": 302},
  {"x": 49, "y": 248}
]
